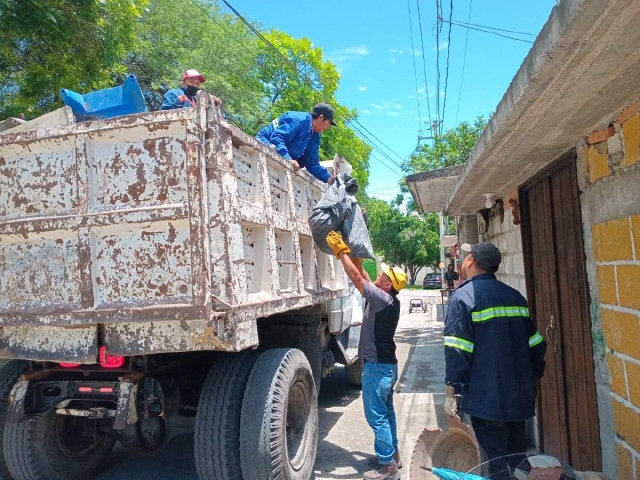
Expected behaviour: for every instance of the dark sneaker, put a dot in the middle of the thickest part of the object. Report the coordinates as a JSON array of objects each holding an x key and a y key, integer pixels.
[
  {"x": 373, "y": 461},
  {"x": 383, "y": 472}
]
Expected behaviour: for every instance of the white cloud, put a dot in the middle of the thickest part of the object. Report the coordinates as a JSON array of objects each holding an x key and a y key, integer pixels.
[
  {"x": 362, "y": 89},
  {"x": 389, "y": 108},
  {"x": 394, "y": 114},
  {"x": 443, "y": 45},
  {"x": 367, "y": 112},
  {"x": 442, "y": 93},
  {"x": 376, "y": 106},
  {"x": 417, "y": 53},
  {"x": 392, "y": 61},
  {"x": 395, "y": 50},
  {"x": 343, "y": 57},
  {"x": 421, "y": 91}
]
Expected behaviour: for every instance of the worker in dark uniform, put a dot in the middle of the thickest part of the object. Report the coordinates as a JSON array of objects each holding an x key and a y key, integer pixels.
[
  {"x": 378, "y": 351},
  {"x": 296, "y": 137},
  {"x": 494, "y": 355},
  {"x": 185, "y": 95}
]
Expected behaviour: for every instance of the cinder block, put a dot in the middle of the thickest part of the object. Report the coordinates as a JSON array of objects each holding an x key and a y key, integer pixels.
[
  {"x": 511, "y": 242},
  {"x": 518, "y": 241},
  {"x": 631, "y": 135},
  {"x": 633, "y": 375},
  {"x": 635, "y": 227},
  {"x": 625, "y": 462},
  {"x": 612, "y": 240},
  {"x": 508, "y": 264},
  {"x": 518, "y": 264},
  {"x": 597, "y": 164},
  {"x": 627, "y": 424},
  {"x": 617, "y": 379},
  {"x": 523, "y": 287},
  {"x": 607, "y": 281},
  {"x": 629, "y": 285},
  {"x": 621, "y": 332}
]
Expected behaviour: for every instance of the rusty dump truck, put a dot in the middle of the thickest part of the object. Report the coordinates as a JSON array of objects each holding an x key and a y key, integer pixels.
[{"x": 161, "y": 264}]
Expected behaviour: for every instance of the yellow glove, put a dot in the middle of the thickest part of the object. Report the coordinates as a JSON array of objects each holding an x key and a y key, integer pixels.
[{"x": 335, "y": 242}]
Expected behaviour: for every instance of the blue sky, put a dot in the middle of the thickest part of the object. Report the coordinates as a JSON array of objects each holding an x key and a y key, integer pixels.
[{"x": 370, "y": 43}]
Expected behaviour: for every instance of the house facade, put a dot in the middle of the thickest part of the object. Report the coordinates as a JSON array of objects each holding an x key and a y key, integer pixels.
[{"x": 561, "y": 158}]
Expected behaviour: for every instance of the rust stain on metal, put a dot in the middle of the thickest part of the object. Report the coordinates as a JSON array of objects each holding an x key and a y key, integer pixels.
[{"x": 148, "y": 224}]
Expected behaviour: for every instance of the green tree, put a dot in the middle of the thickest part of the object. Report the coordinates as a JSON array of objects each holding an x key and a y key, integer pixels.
[
  {"x": 451, "y": 148},
  {"x": 52, "y": 44},
  {"x": 409, "y": 240},
  {"x": 175, "y": 36}
]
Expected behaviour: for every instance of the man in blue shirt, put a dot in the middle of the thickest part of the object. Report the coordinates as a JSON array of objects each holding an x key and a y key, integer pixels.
[
  {"x": 185, "y": 96},
  {"x": 296, "y": 137},
  {"x": 494, "y": 355}
]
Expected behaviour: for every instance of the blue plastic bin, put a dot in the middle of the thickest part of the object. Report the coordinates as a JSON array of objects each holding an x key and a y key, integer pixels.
[{"x": 108, "y": 103}]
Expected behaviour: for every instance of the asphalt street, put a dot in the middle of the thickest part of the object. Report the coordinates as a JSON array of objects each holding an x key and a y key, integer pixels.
[{"x": 346, "y": 441}]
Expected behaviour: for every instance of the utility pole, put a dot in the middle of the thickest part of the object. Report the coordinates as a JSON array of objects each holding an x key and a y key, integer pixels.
[{"x": 433, "y": 128}]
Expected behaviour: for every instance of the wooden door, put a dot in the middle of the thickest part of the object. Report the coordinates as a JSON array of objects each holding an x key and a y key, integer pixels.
[{"x": 559, "y": 302}]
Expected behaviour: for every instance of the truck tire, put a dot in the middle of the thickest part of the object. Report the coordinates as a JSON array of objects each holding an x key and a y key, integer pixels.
[
  {"x": 217, "y": 430},
  {"x": 354, "y": 372},
  {"x": 55, "y": 447},
  {"x": 9, "y": 373},
  {"x": 279, "y": 425}
]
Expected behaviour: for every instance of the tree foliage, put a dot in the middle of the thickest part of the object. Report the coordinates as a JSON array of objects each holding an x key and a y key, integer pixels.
[
  {"x": 409, "y": 240},
  {"x": 451, "y": 148},
  {"x": 52, "y": 44}
]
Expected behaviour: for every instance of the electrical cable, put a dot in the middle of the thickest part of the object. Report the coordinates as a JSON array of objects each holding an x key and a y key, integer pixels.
[
  {"x": 219, "y": 24},
  {"x": 446, "y": 78},
  {"x": 424, "y": 61},
  {"x": 415, "y": 70},
  {"x": 487, "y": 31},
  {"x": 464, "y": 62}
]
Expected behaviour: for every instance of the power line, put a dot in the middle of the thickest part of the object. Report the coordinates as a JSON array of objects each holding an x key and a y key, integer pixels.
[
  {"x": 380, "y": 141},
  {"x": 415, "y": 70},
  {"x": 446, "y": 80},
  {"x": 424, "y": 60},
  {"x": 464, "y": 62},
  {"x": 493, "y": 28},
  {"x": 219, "y": 24},
  {"x": 438, "y": 29},
  {"x": 485, "y": 31}
]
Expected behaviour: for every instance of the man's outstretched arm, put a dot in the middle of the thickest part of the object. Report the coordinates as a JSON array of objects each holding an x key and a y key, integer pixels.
[{"x": 352, "y": 267}]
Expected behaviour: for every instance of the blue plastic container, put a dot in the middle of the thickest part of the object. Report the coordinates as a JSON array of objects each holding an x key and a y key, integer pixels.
[{"x": 108, "y": 103}]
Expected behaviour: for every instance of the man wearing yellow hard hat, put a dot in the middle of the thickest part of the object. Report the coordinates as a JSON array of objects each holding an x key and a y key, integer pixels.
[{"x": 378, "y": 351}]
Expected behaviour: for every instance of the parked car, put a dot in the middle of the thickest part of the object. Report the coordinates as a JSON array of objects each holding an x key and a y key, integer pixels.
[{"x": 432, "y": 280}]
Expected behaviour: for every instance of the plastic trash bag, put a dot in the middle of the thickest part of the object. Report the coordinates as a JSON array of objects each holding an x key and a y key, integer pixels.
[{"x": 338, "y": 210}]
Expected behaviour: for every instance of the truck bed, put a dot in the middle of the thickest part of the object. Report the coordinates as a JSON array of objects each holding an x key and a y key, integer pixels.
[{"x": 158, "y": 232}]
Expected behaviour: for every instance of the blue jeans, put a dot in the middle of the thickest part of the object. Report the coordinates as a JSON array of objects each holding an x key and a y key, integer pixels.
[{"x": 378, "y": 380}]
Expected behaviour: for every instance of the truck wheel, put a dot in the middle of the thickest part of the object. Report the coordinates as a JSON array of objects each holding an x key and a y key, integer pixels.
[
  {"x": 279, "y": 426},
  {"x": 354, "y": 372},
  {"x": 57, "y": 447},
  {"x": 217, "y": 431},
  {"x": 9, "y": 373},
  {"x": 147, "y": 436}
]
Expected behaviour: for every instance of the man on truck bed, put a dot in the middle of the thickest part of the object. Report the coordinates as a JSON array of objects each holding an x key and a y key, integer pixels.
[
  {"x": 185, "y": 96},
  {"x": 296, "y": 137},
  {"x": 378, "y": 351}
]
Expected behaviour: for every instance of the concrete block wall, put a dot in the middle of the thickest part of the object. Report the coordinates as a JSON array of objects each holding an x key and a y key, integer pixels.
[
  {"x": 502, "y": 232},
  {"x": 609, "y": 177}
]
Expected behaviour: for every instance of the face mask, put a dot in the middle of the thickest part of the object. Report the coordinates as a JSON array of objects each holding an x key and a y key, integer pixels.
[{"x": 191, "y": 90}]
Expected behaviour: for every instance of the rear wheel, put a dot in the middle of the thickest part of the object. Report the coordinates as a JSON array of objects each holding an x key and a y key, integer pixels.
[
  {"x": 354, "y": 372},
  {"x": 57, "y": 447},
  {"x": 9, "y": 373},
  {"x": 217, "y": 435},
  {"x": 279, "y": 423}
]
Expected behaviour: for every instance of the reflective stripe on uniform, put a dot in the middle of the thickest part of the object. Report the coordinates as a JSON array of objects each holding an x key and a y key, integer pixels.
[
  {"x": 459, "y": 343},
  {"x": 496, "y": 312},
  {"x": 535, "y": 339}
]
